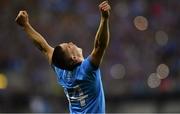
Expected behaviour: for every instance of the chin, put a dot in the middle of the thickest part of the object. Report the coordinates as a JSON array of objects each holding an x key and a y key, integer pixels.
[{"x": 81, "y": 59}]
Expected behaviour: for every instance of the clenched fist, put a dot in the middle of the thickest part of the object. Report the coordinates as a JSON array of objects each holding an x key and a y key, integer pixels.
[
  {"x": 105, "y": 9},
  {"x": 22, "y": 18}
]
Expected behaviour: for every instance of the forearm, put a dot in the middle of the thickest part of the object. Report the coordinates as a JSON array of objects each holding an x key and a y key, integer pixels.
[
  {"x": 37, "y": 39},
  {"x": 102, "y": 35},
  {"x": 23, "y": 20}
]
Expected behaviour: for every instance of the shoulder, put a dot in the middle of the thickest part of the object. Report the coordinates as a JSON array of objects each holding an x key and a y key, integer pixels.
[
  {"x": 49, "y": 54},
  {"x": 88, "y": 65},
  {"x": 57, "y": 70}
]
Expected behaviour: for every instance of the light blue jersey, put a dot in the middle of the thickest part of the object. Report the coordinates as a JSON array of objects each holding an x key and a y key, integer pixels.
[{"x": 83, "y": 88}]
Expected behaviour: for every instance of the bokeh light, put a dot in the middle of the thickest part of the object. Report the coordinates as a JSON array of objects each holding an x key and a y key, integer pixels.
[
  {"x": 3, "y": 81},
  {"x": 143, "y": 35},
  {"x": 163, "y": 71},
  {"x": 141, "y": 23},
  {"x": 118, "y": 71},
  {"x": 154, "y": 81},
  {"x": 161, "y": 38}
]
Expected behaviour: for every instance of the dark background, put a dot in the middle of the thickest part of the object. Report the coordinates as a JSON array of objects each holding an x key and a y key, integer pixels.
[{"x": 144, "y": 40}]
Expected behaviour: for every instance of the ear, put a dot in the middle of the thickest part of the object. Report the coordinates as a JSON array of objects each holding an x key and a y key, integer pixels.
[{"x": 74, "y": 58}]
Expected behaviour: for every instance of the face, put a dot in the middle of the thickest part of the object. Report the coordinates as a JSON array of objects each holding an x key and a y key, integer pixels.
[{"x": 73, "y": 52}]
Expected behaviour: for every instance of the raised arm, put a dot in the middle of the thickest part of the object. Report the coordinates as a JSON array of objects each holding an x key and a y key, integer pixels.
[
  {"x": 102, "y": 35},
  {"x": 23, "y": 20}
]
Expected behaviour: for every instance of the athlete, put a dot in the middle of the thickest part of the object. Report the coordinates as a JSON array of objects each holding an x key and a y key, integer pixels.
[{"x": 80, "y": 77}]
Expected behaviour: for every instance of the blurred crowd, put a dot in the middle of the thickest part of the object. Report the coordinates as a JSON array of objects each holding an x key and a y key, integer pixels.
[{"x": 137, "y": 47}]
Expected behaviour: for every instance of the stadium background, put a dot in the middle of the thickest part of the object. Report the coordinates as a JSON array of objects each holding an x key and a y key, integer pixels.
[{"x": 141, "y": 69}]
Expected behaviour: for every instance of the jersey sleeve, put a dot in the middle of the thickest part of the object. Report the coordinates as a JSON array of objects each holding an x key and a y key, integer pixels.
[
  {"x": 88, "y": 66},
  {"x": 88, "y": 70},
  {"x": 59, "y": 72}
]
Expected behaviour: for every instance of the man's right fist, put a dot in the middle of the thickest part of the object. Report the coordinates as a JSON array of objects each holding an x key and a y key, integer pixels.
[
  {"x": 22, "y": 18},
  {"x": 105, "y": 9}
]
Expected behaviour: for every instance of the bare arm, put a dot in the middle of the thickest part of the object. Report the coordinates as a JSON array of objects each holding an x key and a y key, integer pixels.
[
  {"x": 102, "y": 35},
  {"x": 38, "y": 40}
]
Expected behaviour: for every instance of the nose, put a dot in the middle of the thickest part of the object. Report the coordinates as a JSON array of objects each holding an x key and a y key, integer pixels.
[{"x": 71, "y": 43}]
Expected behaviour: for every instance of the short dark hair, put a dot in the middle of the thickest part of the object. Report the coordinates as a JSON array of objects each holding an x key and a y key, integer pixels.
[{"x": 60, "y": 59}]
